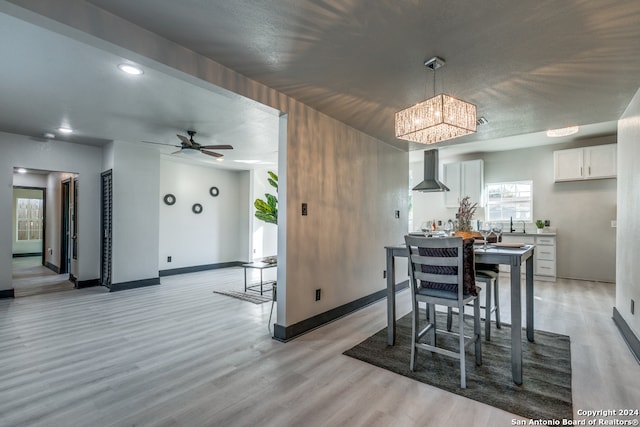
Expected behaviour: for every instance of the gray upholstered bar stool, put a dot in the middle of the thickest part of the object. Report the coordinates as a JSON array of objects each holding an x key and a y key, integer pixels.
[{"x": 490, "y": 279}]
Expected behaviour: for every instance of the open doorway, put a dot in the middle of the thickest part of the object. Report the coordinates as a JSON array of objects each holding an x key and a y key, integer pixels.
[{"x": 44, "y": 214}]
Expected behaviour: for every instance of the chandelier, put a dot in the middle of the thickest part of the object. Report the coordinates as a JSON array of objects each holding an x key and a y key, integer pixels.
[{"x": 436, "y": 119}]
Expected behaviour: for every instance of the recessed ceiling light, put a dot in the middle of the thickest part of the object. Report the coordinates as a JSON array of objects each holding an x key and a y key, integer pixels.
[
  {"x": 21, "y": 170},
  {"x": 220, "y": 159},
  {"x": 247, "y": 161},
  {"x": 130, "y": 69},
  {"x": 65, "y": 129},
  {"x": 49, "y": 135},
  {"x": 556, "y": 133}
]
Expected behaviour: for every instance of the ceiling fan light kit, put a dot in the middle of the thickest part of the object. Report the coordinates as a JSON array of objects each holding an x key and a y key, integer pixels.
[{"x": 436, "y": 119}]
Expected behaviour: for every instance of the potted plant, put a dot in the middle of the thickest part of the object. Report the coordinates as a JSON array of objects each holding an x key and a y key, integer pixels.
[
  {"x": 267, "y": 210},
  {"x": 466, "y": 210},
  {"x": 539, "y": 225}
]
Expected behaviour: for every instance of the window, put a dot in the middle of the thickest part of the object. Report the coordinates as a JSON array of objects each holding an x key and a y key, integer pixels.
[
  {"x": 507, "y": 200},
  {"x": 29, "y": 219}
]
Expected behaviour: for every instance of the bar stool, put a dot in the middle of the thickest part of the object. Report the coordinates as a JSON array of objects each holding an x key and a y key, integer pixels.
[{"x": 490, "y": 278}]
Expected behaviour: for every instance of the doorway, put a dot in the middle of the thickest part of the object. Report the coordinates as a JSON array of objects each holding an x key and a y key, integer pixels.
[{"x": 44, "y": 213}]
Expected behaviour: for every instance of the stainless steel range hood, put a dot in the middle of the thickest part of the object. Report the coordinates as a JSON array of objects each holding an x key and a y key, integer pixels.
[{"x": 430, "y": 182}]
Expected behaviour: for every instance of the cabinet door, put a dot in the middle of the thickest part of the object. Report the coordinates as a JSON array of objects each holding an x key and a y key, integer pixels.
[
  {"x": 600, "y": 161},
  {"x": 451, "y": 178},
  {"x": 472, "y": 178},
  {"x": 567, "y": 164}
]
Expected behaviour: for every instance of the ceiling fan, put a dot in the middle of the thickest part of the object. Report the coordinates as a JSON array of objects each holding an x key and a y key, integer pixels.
[{"x": 188, "y": 145}]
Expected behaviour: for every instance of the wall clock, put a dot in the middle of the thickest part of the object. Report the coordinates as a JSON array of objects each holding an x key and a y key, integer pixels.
[{"x": 169, "y": 199}]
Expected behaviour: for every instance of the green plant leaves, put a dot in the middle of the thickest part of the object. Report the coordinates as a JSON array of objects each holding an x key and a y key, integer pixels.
[{"x": 267, "y": 210}]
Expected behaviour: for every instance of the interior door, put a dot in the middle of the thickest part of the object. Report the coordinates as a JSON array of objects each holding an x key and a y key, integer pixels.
[
  {"x": 65, "y": 232},
  {"x": 106, "y": 221}
]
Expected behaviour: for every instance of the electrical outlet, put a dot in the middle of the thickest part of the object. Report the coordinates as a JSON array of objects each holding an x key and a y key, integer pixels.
[
  {"x": 317, "y": 294},
  {"x": 397, "y": 214},
  {"x": 168, "y": 259},
  {"x": 304, "y": 209}
]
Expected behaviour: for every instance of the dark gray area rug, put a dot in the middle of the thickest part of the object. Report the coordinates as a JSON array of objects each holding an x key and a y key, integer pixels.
[{"x": 544, "y": 394}]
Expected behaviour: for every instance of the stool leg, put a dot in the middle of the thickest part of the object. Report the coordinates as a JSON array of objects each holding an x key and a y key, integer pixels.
[
  {"x": 487, "y": 313},
  {"x": 496, "y": 296}
]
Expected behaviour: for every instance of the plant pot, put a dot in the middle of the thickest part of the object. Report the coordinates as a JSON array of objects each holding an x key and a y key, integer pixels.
[{"x": 540, "y": 230}]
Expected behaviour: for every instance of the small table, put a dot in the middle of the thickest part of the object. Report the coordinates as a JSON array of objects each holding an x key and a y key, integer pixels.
[
  {"x": 260, "y": 266},
  {"x": 512, "y": 257}
]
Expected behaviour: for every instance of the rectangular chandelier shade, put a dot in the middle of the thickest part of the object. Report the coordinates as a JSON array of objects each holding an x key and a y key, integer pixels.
[{"x": 436, "y": 119}]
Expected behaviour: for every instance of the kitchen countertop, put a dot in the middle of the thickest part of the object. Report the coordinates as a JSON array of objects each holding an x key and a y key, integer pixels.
[{"x": 516, "y": 233}]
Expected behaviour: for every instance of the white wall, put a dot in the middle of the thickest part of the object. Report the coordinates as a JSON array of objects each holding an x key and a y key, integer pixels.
[
  {"x": 628, "y": 247},
  {"x": 220, "y": 233},
  {"x": 136, "y": 188},
  {"x": 30, "y": 180},
  {"x": 18, "y": 150},
  {"x": 580, "y": 211}
]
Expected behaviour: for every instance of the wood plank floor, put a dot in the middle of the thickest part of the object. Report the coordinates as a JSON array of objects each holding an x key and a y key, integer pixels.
[
  {"x": 179, "y": 355},
  {"x": 30, "y": 277}
]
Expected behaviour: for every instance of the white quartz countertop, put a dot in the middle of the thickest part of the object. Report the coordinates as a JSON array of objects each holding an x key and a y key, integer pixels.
[{"x": 515, "y": 233}]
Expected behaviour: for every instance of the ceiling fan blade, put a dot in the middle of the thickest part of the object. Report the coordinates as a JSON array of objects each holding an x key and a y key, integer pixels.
[
  {"x": 160, "y": 143},
  {"x": 176, "y": 152},
  {"x": 184, "y": 140},
  {"x": 211, "y": 153},
  {"x": 218, "y": 147}
]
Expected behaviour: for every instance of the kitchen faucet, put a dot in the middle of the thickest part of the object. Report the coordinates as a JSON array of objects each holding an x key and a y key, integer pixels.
[
  {"x": 524, "y": 231},
  {"x": 511, "y": 229}
]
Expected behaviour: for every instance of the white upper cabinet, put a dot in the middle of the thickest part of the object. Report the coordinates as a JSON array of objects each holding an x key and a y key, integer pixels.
[
  {"x": 463, "y": 179},
  {"x": 576, "y": 164}
]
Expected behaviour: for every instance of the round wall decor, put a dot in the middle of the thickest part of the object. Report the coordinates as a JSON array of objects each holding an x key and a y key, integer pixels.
[
  {"x": 197, "y": 208},
  {"x": 169, "y": 199},
  {"x": 214, "y": 191}
]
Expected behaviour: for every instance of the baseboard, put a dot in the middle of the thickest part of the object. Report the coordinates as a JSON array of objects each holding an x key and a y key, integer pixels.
[
  {"x": 629, "y": 337},
  {"x": 28, "y": 254},
  {"x": 80, "y": 284},
  {"x": 123, "y": 286},
  {"x": 52, "y": 267},
  {"x": 7, "y": 293},
  {"x": 287, "y": 333},
  {"x": 196, "y": 268}
]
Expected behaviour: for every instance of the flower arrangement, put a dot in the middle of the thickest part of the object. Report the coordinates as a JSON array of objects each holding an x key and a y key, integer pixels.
[{"x": 466, "y": 210}]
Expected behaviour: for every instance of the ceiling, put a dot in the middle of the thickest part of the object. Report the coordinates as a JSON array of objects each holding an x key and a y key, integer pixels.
[{"x": 528, "y": 66}]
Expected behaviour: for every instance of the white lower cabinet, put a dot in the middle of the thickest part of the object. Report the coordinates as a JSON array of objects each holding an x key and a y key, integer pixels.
[{"x": 544, "y": 256}]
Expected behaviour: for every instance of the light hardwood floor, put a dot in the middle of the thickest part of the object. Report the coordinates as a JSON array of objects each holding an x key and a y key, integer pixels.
[
  {"x": 30, "y": 277},
  {"x": 179, "y": 355}
]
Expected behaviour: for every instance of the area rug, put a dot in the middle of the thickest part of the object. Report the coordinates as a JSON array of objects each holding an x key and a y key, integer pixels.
[
  {"x": 247, "y": 296},
  {"x": 545, "y": 392}
]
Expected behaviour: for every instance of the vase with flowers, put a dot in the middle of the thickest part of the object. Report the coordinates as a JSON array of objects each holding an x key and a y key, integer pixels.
[{"x": 466, "y": 210}]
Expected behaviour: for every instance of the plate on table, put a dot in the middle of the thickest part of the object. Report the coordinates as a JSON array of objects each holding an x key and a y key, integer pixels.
[{"x": 509, "y": 245}]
